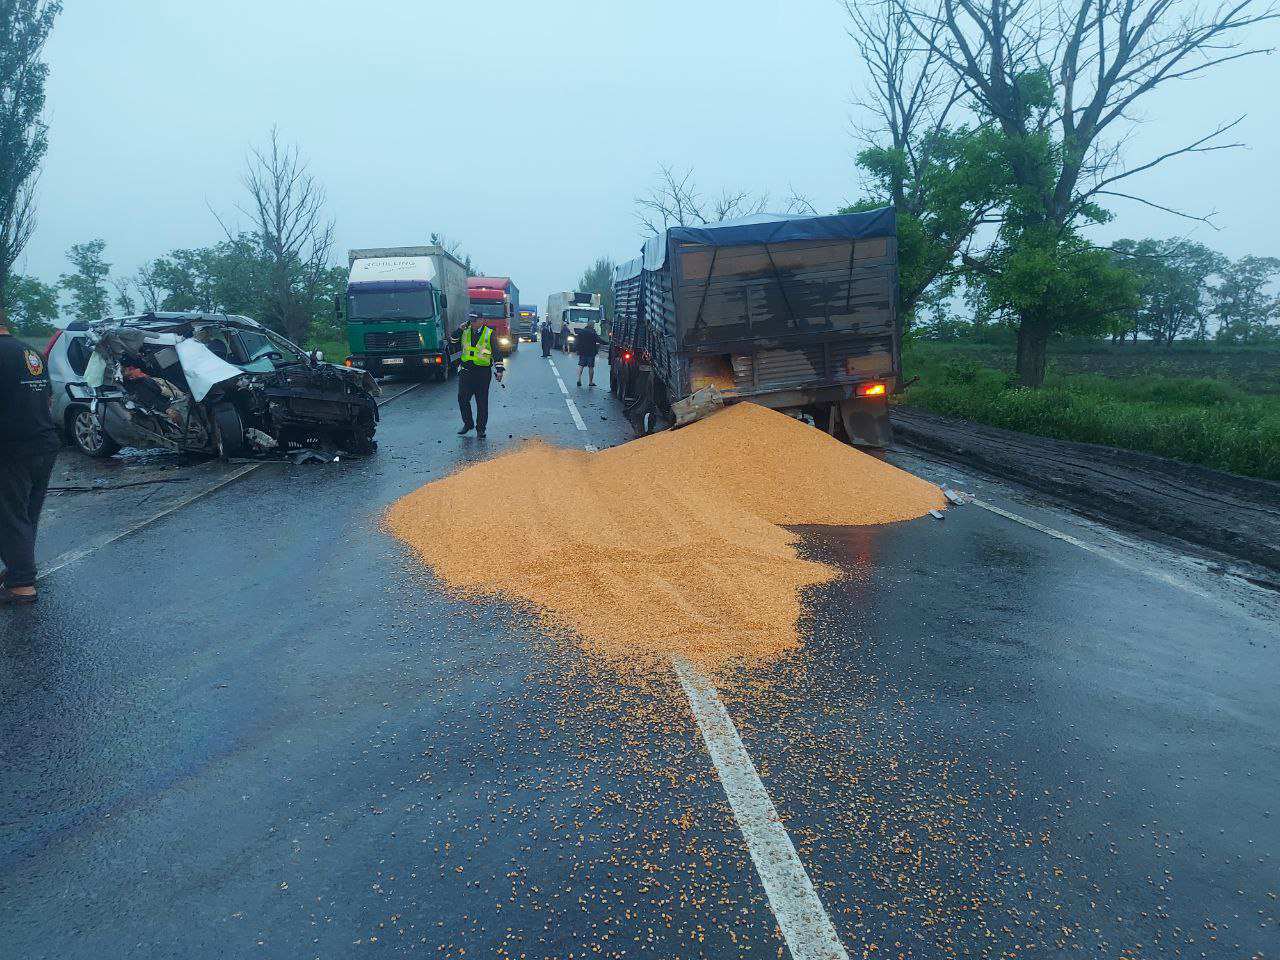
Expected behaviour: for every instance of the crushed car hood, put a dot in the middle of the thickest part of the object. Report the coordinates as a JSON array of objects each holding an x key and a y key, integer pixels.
[{"x": 203, "y": 368}]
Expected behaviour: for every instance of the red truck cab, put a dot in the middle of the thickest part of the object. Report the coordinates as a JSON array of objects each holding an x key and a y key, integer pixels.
[{"x": 496, "y": 300}]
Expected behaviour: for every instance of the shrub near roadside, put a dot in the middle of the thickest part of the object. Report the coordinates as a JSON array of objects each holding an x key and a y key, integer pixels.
[{"x": 1199, "y": 421}]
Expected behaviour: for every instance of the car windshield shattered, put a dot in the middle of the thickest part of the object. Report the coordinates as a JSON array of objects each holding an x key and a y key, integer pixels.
[{"x": 223, "y": 385}]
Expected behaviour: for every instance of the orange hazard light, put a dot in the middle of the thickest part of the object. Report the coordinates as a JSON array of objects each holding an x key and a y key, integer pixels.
[{"x": 872, "y": 389}]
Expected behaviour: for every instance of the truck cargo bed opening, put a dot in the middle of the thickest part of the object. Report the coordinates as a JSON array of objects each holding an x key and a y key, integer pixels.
[{"x": 795, "y": 313}]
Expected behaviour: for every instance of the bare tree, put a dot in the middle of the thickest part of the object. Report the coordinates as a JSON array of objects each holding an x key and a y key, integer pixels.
[
  {"x": 911, "y": 146},
  {"x": 287, "y": 207},
  {"x": 125, "y": 302},
  {"x": 911, "y": 93},
  {"x": 24, "y": 27},
  {"x": 1078, "y": 71},
  {"x": 147, "y": 282},
  {"x": 454, "y": 249},
  {"x": 1072, "y": 76},
  {"x": 674, "y": 201}
]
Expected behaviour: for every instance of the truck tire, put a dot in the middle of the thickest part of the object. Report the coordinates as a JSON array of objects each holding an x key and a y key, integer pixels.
[
  {"x": 866, "y": 422},
  {"x": 228, "y": 431}
]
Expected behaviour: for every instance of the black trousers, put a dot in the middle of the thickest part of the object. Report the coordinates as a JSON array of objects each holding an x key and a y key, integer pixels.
[
  {"x": 474, "y": 382},
  {"x": 24, "y": 479},
  {"x": 547, "y": 337}
]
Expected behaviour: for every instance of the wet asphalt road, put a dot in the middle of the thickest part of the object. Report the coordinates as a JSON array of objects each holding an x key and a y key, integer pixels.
[{"x": 256, "y": 728}]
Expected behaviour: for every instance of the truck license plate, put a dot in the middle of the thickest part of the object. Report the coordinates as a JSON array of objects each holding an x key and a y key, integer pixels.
[{"x": 389, "y": 361}]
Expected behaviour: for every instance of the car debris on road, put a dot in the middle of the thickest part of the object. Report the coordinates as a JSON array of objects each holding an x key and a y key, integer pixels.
[{"x": 221, "y": 385}]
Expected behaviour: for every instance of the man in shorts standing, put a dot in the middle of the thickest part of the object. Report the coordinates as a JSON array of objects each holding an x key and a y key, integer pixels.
[{"x": 586, "y": 344}]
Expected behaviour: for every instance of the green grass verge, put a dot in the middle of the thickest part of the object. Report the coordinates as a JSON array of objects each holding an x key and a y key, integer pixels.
[
  {"x": 1197, "y": 420},
  {"x": 335, "y": 351}
]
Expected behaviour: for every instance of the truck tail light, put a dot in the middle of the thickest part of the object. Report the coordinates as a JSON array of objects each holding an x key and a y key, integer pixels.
[
  {"x": 626, "y": 356},
  {"x": 348, "y": 362},
  {"x": 872, "y": 389}
]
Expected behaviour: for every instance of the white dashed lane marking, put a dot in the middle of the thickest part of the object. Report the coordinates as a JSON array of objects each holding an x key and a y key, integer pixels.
[{"x": 803, "y": 920}]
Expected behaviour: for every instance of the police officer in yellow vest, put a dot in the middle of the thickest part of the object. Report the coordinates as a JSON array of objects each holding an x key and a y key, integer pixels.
[{"x": 479, "y": 366}]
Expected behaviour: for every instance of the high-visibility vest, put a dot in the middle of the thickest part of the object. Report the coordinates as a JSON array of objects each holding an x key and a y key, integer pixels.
[{"x": 480, "y": 353}]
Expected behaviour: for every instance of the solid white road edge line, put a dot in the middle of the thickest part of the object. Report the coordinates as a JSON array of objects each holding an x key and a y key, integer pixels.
[
  {"x": 806, "y": 927},
  {"x": 79, "y": 553},
  {"x": 573, "y": 410},
  {"x": 1097, "y": 551}
]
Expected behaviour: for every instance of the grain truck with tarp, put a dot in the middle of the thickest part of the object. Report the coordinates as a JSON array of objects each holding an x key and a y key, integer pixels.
[{"x": 794, "y": 313}]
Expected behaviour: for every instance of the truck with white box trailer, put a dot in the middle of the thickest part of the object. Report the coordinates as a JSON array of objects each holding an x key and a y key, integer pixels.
[{"x": 402, "y": 305}]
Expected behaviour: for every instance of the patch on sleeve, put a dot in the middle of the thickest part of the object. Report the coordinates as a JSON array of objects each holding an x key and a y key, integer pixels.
[{"x": 35, "y": 362}]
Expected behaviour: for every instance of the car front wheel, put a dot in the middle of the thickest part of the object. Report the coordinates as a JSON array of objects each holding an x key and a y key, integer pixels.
[{"x": 88, "y": 436}]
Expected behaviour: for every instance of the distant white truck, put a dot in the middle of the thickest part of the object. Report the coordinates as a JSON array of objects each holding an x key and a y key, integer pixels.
[{"x": 579, "y": 309}]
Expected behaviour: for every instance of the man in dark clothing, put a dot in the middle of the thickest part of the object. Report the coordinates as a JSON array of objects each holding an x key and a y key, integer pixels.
[
  {"x": 548, "y": 338},
  {"x": 586, "y": 343},
  {"x": 479, "y": 365},
  {"x": 28, "y": 446}
]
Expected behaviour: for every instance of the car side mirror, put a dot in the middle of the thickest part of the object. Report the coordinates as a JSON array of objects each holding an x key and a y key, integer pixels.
[
  {"x": 444, "y": 301},
  {"x": 316, "y": 356},
  {"x": 80, "y": 391},
  {"x": 337, "y": 307}
]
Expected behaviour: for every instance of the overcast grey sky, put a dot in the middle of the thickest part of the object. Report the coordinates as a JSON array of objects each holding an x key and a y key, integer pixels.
[{"x": 522, "y": 130}]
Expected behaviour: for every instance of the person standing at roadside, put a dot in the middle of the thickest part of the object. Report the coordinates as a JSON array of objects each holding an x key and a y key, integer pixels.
[
  {"x": 28, "y": 447},
  {"x": 479, "y": 366},
  {"x": 548, "y": 337},
  {"x": 586, "y": 344},
  {"x": 565, "y": 330}
]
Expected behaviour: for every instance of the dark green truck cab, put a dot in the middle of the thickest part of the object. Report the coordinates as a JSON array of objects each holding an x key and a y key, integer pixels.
[{"x": 402, "y": 306}]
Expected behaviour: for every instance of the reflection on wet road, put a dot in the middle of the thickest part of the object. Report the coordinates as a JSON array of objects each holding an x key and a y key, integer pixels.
[{"x": 289, "y": 742}]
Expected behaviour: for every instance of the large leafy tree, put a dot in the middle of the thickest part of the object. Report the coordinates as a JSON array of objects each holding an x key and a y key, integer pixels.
[
  {"x": 1243, "y": 302},
  {"x": 1056, "y": 282},
  {"x": 942, "y": 177},
  {"x": 87, "y": 282},
  {"x": 1063, "y": 85},
  {"x": 1172, "y": 279},
  {"x": 24, "y": 27},
  {"x": 598, "y": 278},
  {"x": 233, "y": 276},
  {"x": 30, "y": 306}
]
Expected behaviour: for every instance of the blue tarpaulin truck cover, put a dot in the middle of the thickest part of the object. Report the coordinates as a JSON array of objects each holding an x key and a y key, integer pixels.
[{"x": 773, "y": 228}]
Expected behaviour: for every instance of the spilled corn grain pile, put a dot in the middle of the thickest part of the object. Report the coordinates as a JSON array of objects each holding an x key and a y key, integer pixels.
[{"x": 670, "y": 545}]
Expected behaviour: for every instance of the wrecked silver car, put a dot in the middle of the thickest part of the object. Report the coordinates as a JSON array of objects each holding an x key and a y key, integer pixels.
[{"x": 221, "y": 385}]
